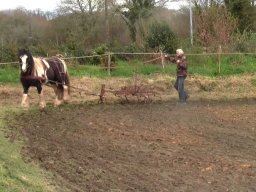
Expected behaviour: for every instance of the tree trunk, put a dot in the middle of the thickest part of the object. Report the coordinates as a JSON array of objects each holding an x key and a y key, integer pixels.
[{"x": 107, "y": 23}]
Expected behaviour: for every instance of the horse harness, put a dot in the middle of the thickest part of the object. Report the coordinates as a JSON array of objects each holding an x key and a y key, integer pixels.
[
  {"x": 46, "y": 66},
  {"x": 61, "y": 71}
]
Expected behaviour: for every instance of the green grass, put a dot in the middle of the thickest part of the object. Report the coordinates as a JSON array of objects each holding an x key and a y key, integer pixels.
[
  {"x": 15, "y": 174},
  {"x": 229, "y": 65},
  {"x": 86, "y": 70},
  {"x": 123, "y": 69},
  {"x": 9, "y": 74},
  {"x": 198, "y": 65}
]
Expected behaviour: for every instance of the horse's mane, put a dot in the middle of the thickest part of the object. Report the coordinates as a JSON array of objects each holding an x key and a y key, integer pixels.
[{"x": 37, "y": 66}]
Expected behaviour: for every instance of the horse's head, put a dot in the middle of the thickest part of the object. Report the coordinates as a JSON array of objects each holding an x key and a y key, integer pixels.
[{"x": 26, "y": 60}]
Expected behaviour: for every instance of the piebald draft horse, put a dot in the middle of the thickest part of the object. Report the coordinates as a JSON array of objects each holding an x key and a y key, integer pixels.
[{"x": 36, "y": 71}]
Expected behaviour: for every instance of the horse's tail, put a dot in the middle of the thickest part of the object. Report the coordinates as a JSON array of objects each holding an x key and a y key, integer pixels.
[
  {"x": 67, "y": 81},
  {"x": 66, "y": 87}
]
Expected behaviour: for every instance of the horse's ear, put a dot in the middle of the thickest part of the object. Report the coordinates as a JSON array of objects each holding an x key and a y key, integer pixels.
[
  {"x": 20, "y": 50},
  {"x": 26, "y": 49}
]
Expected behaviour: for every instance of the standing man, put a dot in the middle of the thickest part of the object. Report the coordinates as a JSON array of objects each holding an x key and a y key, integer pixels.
[{"x": 182, "y": 70}]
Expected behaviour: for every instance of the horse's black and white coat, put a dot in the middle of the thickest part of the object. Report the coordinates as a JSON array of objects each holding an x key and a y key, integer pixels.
[{"x": 36, "y": 71}]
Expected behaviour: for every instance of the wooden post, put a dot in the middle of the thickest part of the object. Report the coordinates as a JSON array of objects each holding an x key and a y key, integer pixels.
[
  {"x": 109, "y": 63},
  {"x": 205, "y": 50},
  {"x": 102, "y": 93},
  {"x": 162, "y": 58},
  {"x": 219, "y": 55}
]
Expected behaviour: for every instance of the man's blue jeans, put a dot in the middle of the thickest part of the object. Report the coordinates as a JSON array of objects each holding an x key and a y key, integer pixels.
[{"x": 179, "y": 86}]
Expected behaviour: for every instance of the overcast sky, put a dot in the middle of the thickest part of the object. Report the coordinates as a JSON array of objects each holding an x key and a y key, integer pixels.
[
  {"x": 50, "y": 5},
  {"x": 175, "y": 5},
  {"x": 44, "y": 5}
]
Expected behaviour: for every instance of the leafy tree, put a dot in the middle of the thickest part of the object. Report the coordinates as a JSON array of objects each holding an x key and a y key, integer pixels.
[
  {"x": 7, "y": 54},
  {"x": 133, "y": 11},
  {"x": 162, "y": 37},
  {"x": 85, "y": 18},
  {"x": 245, "y": 12}
]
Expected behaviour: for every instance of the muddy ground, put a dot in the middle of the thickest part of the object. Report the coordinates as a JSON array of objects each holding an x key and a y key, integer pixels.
[{"x": 206, "y": 145}]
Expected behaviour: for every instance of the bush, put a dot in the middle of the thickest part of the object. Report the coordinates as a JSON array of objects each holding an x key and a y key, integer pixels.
[
  {"x": 100, "y": 58},
  {"x": 7, "y": 55},
  {"x": 161, "y": 36},
  {"x": 245, "y": 42},
  {"x": 73, "y": 51},
  {"x": 100, "y": 50},
  {"x": 131, "y": 48},
  {"x": 37, "y": 51}
]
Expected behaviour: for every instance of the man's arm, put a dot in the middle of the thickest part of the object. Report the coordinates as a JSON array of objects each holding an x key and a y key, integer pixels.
[
  {"x": 182, "y": 62},
  {"x": 170, "y": 58}
]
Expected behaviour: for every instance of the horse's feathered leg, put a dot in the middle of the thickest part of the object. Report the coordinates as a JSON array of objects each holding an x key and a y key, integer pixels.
[
  {"x": 58, "y": 93},
  {"x": 65, "y": 93},
  {"x": 24, "y": 101},
  {"x": 42, "y": 103}
]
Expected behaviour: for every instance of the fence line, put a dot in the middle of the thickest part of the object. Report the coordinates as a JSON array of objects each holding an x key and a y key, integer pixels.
[
  {"x": 82, "y": 57},
  {"x": 9, "y": 63},
  {"x": 205, "y": 54},
  {"x": 153, "y": 53}
]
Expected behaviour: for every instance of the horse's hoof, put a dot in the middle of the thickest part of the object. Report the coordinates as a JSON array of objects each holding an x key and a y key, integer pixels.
[
  {"x": 66, "y": 99},
  {"x": 25, "y": 105},
  {"x": 42, "y": 110},
  {"x": 42, "y": 105},
  {"x": 57, "y": 103},
  {"x": 24, "y": 108}
]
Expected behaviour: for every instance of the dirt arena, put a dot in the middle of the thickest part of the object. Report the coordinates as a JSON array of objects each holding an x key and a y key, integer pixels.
[{"x": 206, "y": 145}]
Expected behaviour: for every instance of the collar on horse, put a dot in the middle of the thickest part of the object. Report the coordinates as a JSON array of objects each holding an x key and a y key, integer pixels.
[
  {"x": 39, "y": 71},
  {"x": 32, "y": 77}
]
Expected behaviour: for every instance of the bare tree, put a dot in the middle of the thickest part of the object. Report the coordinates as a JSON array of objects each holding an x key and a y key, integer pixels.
[
  {"x": 207, "y": 3},
  {"x": 83, "y": 6},
  {"x": 214, "y": 26},
  {"x": 134, "y": 11}
]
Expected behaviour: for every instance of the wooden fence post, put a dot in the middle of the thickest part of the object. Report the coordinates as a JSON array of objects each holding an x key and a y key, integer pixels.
[
  {"x": 162, "y": 58},
  {"x": 109, "y": 63},
  {"x": 219, "y": 55}
]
